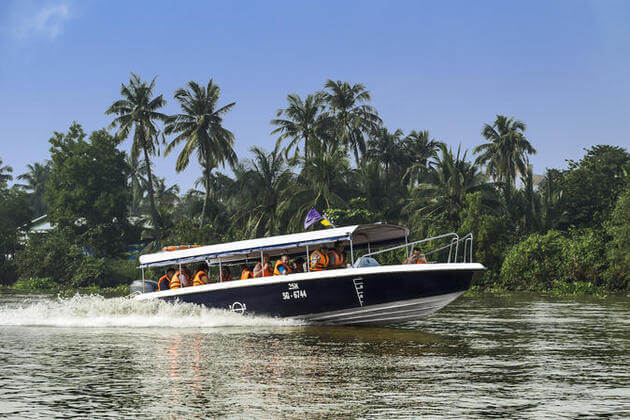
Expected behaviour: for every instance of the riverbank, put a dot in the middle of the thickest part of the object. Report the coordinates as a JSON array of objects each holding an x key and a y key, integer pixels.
[{"x": 45, "y": 286}]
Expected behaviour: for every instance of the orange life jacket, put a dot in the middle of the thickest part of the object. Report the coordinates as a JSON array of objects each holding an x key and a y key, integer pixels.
[
  {"x": 246, "y": 274},
  {"x": 319, "y": 260},
  {"x": 176, "y": 282},
  {"x": 335, "y": 260},
  {"x": 201, "y": 278},
  {"x": 418, "y": 260},
  {"x": 276, "y": 270},
  {"x": 266, "y": 272},
  {"x": 164, "y": 282}
]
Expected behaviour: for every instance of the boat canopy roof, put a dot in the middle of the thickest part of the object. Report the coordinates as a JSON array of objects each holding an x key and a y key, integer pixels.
[{"x": 360, "y": 235}]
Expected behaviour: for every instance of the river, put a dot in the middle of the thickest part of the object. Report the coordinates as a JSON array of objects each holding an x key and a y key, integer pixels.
[{"x": 518, "y": 356}]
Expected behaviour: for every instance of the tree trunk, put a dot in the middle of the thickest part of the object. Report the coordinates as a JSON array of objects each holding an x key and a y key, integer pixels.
[
  {"x": 155, "y": 217},
  {"x": 206, "y": 198}
]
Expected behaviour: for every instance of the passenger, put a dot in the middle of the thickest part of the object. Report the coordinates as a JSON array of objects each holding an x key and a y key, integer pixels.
[
  {"x": 164, "y": 283},
  {"x": 246, "y": 273},
  {"x": 187, "y": 279},
  {"x": 226, "y": 275},
  {"x": 282, "y": 266},
  {"x": 202, "y": 275},
  {"x": 335, "y": 256},
  {"x": 416, "y": 257},
  {"x": 297, "y": 266},
  {"x": 319, "y": 259},
  {"x": 264, "y": 269},
  {"x": 179, "y": 280}
]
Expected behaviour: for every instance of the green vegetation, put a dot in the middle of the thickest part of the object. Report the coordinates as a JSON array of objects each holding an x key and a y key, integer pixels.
[{"x": 567, "y": 231}]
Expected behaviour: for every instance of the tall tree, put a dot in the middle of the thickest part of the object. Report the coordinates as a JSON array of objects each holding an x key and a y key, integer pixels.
[
  {"x": 36, "y": 179},
  {"x": 506, "y": 153},
  {"x": 353, "y": 117},
  {"x": 88, "y": 192},
  {"x": 300, "y": 122},
  {"x": 442, "y": 197},
  {"x": 200, "y": 126},
  {"x": 420, "y": 151},
  {"x": 5, "y": 174},
  {"x": 138, "y": 182},
  {"x": 138, "y": 111},
  {"x": 264, "y": 185},
  {"x": 385, "y": 147}
]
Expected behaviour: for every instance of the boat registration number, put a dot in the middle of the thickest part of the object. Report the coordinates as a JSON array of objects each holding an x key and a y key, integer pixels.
[{"x": 294, "y": 292}]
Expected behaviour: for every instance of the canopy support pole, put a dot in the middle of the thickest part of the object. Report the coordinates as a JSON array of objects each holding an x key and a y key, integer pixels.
[
  {"x": 308, "y": 263},
  {"x": 220, "y": 271},
  {"x": 144, "y": 289},
  {"x": 351, "y": 252},
  {"x": 406, "y": 248}
]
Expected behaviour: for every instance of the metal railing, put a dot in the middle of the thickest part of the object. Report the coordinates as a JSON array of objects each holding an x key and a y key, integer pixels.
[{"x": 452, "y": 245}]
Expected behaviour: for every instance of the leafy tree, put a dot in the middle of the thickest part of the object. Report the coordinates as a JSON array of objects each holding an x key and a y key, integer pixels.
[
  {"x": 57, "y": 255},
  {"x": 200, "y": 125},
  {"x": 301, "y": 122},
  {"x": 551, "y": 195},
  {"x": 87, "y": 192},
  {"x": 36, "y": 181},
  {"x": 505, "y": 154},
  {"x": 491, "y": 235},
  {"x": 590, "y": 187},
  {"x": 619, "y": 247},
  {"x": 534, "y": 263},
  {"x": 353, "y": 117},
  {"x": 15, "y": 213},
  {"x": 138, "y": 111}
]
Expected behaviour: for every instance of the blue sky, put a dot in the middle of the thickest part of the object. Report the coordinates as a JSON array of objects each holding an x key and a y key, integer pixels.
[{"x": 562, "y": 67}]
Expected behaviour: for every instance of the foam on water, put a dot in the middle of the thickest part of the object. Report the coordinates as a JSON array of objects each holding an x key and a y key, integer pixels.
[{"x": 97, "y": 311}]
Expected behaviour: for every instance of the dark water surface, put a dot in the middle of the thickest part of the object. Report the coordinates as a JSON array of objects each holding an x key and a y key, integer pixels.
[{"x": 513, "y": 356}]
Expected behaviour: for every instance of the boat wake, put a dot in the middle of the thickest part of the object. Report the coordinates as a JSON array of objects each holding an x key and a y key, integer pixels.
[{"x": 98, "y": 312}]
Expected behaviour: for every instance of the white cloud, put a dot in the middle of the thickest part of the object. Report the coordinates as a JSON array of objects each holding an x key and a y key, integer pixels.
[{"x": 47, "y": 22}]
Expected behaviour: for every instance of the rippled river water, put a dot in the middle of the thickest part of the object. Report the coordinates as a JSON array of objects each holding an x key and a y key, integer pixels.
[{"x": 515, "y": 356}]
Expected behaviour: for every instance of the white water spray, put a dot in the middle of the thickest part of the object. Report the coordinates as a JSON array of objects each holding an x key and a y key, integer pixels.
[{"x": 97, "y": 311}]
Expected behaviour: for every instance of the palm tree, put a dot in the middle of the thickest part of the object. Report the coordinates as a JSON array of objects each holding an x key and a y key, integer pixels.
[
  {"x": 420, "y": 151},
  {"x": 200, "y": 126},
  {"x": 167, "y": 198},
  {"x": 505, "y": 154},
  {"x": 138, "y": 182},
  {"x": 442, "y": 196},
  {"x": 137, "y": 110},
  {"x": 5, "y": 174},
  {"x": 264, "y": 183},
  {"x": 36, "y": 179},
  {"x": 323, "y": 183},
  {"x": 353, "y": 117},
  {"x": 301, "y": 121},
  {"x": 385, "y": 147}
]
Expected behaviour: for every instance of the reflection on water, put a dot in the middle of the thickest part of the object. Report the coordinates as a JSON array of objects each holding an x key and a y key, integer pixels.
[{"x": 518, "y": 356}]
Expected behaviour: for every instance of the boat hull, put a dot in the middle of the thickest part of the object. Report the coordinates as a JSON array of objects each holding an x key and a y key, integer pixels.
[{"x": 348, "y": 297}]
